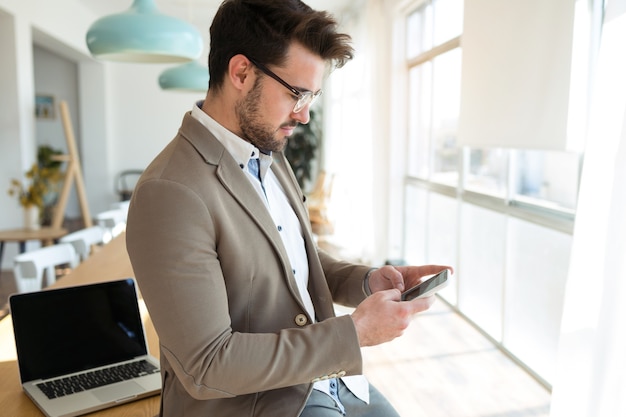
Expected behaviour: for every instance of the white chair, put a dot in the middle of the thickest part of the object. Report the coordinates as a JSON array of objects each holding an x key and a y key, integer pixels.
[
  {"x": 83, "y": 240},
  {"x": 113, "y": 221},
  {"x": 122, "y": 205},
  {"x": 30, "y": 267}
]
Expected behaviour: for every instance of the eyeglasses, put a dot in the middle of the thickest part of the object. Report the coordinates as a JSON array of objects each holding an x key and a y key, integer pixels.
[{"x": 304, "y": 98}]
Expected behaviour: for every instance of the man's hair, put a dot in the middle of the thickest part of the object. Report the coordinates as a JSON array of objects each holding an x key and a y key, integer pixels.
[{"x": 264, "y": 29}]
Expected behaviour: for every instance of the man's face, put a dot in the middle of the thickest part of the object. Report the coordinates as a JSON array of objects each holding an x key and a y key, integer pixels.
[{"x": 265, "y": 115}]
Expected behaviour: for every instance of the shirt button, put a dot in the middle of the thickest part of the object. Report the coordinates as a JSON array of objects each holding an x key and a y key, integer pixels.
[
  {"x": 280, "y": 228},
  {"x": 301, "y": 320},
  {"x": 241, "y": 166}
]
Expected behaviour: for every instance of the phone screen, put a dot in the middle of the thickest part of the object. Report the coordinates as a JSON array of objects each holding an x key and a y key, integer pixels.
[{"x": 427, "y": 287}]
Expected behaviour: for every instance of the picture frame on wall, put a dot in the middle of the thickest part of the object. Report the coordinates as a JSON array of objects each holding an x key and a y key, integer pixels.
[{"x": 44, "y": 106}]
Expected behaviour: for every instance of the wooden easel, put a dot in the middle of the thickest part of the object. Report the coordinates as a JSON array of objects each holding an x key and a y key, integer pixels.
[{"x": 73, "y": 173}]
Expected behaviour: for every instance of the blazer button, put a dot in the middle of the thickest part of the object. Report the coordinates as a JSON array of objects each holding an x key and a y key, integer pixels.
[{"x": 301, "y": 320}]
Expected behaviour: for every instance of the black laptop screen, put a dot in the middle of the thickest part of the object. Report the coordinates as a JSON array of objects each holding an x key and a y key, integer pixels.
[{"x": 67, "y": 330}]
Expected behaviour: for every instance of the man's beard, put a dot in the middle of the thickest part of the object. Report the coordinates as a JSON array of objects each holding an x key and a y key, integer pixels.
[{"x": 252, "y": 127}]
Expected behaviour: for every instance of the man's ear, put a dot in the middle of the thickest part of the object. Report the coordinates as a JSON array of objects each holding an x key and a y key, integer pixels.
[{"x": 239, "y": 71}]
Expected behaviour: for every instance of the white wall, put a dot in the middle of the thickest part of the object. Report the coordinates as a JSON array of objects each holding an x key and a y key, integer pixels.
[
  {"x": 17, "y": 103},
  {"x": 57, "y": 77},
  {"x": 122, "y": 117},
  {"x": 20, "y": 22},
  {"x": 145, "y": 118}
]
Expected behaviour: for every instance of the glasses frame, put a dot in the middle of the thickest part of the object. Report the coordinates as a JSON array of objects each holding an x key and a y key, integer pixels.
[{"x": 303, "y": 98}]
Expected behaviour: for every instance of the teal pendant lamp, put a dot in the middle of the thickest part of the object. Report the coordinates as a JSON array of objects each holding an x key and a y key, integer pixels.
[
  {"x": 191, "y": 76},
  {"x": 143, "y": 34}
]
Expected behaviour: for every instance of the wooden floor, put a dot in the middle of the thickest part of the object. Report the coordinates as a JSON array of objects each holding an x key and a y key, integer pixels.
[{"x": 441, "y": 367}]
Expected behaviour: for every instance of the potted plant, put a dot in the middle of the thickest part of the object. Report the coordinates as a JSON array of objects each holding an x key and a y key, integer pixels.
[
  {"x": 41, "y": 180},
  {"x": 48, "y": 158},
  {"x": 301, "y": 149}
]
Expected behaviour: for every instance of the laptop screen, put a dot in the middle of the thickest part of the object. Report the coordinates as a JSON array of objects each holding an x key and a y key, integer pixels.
[{"x": 67, "y": 330}]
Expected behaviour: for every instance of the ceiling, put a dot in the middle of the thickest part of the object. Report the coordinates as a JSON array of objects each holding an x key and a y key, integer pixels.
[{"x": 198, "y": 12}]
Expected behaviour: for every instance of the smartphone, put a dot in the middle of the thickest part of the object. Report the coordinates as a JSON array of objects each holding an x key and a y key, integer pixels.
[{"x": 428, "y": 287}]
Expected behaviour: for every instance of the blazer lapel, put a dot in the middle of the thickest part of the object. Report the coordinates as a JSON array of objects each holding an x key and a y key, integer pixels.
[{"x": 229, "y": 174}]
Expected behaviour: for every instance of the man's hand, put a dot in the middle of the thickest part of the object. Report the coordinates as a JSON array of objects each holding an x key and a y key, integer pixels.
[
  {"x": 381, "y": 317},
  {"x": 401, "y": 277}
]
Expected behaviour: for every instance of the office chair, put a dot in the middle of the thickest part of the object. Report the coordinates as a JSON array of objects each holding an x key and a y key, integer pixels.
[{"x": 125, "y": 183}]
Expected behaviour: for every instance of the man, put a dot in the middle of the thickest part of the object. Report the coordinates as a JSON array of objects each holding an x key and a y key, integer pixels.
[{"x": 219, "y": 239}]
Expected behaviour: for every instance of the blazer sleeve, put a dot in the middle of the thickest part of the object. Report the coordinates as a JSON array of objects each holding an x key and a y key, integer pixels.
[
  {"x": 345, "y": 279},
  {"x": 174, "y": 245}
]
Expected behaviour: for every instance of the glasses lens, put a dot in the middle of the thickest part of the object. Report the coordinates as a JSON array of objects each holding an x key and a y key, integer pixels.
[{"x": 305, "y": 99}]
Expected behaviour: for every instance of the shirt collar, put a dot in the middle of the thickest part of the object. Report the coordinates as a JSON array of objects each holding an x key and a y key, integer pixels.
[{"x": 242, "y": 151}]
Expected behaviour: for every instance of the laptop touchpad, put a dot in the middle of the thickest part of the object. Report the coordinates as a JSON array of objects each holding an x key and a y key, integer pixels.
[{"x": 124, "y": 390}]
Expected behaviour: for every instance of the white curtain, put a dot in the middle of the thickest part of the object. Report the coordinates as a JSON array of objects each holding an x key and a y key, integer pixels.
[
  {"x": 353, "y": 130},
  {"x": 591, "y": 368}
]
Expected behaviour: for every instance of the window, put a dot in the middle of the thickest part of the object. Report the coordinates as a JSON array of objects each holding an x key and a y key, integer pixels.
[
  {"x": 544, "y": 180},
  {"x": 445, "y": 108},
  {"x": 434, "y": 83},
  {"x": 547, "y": 179},
  {"x": 503, "y": 216},
  {"x": 487, "y": 171},
  {"x": 523, "y": 178}
]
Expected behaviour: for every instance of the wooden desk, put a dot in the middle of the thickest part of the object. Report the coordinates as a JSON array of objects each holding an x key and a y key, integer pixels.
[
  {"x": 109, "y": 263},
  {"x": 45, "y": 234}
]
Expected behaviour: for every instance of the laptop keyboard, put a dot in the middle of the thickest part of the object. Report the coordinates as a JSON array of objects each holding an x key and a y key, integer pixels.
[{"x": 94, "y": 379}]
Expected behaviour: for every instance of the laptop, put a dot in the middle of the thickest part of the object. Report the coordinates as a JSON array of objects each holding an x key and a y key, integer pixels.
[{"x": 82, "y": 349}]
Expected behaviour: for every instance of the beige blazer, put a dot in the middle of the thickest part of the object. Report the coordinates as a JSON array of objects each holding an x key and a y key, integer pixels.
[{"x": 235, "y": 337}]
